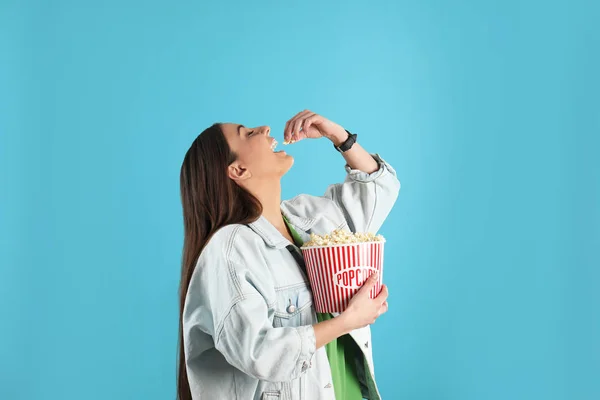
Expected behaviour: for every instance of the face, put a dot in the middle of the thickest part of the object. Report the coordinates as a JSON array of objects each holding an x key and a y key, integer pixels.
[{"x": 257, "y": 161}]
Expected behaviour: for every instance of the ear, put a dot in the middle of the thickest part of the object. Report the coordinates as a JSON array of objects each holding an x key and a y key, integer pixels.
[{"x": 238, "y": 172}]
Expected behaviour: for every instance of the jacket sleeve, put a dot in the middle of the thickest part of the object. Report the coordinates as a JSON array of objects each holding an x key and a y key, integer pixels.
[
  {"x": 226, "y": 300},
  {"x": 366, "y": 199},
  {"x": 250, "y": 343}
]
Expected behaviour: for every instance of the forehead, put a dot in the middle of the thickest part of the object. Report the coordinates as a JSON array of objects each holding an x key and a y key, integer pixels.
[
  {"x": 230, "y": 129},
  {"x": 232, "y": 133}
]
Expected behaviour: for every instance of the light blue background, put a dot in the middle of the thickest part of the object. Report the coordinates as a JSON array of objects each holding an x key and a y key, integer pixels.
[{"x": 489, "y": 111}]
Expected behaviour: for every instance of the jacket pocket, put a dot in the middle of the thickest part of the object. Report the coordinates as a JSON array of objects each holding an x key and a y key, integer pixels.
[{"x": 293, "y": 306}]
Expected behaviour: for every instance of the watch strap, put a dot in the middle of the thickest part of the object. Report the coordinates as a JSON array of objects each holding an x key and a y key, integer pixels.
[{"x": 348, "y": 143}]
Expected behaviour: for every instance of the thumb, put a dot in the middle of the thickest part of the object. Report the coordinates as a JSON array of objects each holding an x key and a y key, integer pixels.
[{"x": 369, "y": 283}]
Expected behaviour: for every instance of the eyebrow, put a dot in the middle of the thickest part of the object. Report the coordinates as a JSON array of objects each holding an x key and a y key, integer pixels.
[{"x": 239, "y": 129}]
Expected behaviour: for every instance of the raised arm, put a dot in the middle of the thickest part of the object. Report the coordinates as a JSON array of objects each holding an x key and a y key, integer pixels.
[
  {"x": 371, "y": 187},
  {"x": 366, "y": 199}
]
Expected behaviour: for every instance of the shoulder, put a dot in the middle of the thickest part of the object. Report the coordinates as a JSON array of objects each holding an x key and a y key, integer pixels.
[
  {"x": 232, "y": 258},
  {"x": 229, "y": 242},
  {"x": 309, "y": 206}
]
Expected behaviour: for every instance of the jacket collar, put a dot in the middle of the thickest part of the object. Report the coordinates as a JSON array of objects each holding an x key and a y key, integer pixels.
[{"x": 273, "y": 238}]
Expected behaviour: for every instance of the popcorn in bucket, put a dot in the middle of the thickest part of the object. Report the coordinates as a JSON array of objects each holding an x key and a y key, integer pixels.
[{"x": 339, "y": 263}]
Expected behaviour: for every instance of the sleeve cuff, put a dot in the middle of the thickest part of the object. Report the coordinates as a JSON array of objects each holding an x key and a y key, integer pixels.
[
  {"x": 307, "y": 349},
  {"x": 361, "y": 176}
]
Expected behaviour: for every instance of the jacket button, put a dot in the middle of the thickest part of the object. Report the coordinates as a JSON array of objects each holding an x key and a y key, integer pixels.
[{"x": 291, "y": 308}]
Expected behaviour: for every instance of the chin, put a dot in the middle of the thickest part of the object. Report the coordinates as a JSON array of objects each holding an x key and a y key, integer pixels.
[{"x": 289, "y": 161}]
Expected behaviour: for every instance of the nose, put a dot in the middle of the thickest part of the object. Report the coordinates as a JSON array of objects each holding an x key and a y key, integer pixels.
[{"x": 267, "y": 130}]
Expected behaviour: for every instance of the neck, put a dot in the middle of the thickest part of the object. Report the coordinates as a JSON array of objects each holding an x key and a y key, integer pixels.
[{"x": 270, "y": 198}]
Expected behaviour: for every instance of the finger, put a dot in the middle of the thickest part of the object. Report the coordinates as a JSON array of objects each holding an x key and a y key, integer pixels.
[
  {"x": 309, "y": 121},
  {"x": 383, "y": 295},
  {"x": 288, "y": 127},
  {"x": 369, "y": 284},
  {"x": 384, "y": 308},
  {"x": 287, "y": 134},
  {"x": 299, "y": 125},
  {"x": 296, "y": 125},
  {"x": 295, "y": 129}
]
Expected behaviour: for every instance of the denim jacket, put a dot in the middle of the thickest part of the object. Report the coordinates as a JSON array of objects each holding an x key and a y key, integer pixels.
[{"x": 248, "y": 314}]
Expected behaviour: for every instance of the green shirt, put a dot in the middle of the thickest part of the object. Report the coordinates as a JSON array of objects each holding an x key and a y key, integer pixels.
[{"x": 341, "y": 353}]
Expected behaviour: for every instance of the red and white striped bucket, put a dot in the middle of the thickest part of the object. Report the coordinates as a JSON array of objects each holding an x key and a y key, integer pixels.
[{"x": 337, "y": 272}]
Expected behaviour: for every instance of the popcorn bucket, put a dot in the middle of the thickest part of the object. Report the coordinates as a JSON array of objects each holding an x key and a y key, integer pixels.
[{"x": 337, "y": 272}]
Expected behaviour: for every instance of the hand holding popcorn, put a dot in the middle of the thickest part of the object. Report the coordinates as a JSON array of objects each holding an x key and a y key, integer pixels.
[{"x": 309, "y": 125}]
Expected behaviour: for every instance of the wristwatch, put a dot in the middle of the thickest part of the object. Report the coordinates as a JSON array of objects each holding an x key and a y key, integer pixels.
[{"x": 347, "y": 145}]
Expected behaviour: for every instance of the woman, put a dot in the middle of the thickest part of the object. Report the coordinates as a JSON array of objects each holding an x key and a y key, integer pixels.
[{"x": 248, "y": 326}]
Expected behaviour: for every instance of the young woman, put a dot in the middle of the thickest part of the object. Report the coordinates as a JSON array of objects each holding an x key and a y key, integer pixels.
[{"x": 249, "y": 329}]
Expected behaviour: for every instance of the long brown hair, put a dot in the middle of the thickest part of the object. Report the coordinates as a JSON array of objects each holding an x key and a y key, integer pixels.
[{"x": 210, "y": 200}]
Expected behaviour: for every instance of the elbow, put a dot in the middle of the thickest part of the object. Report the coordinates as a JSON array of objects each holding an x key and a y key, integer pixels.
[
  {"x": 389, "y": 189},
  {"x": 271, "y": 360},
  {"x": 272, "y": 367},
  {"x": 273, "y": 375},
  {"x": 397, "y": 187},
  {"x": 272, "y": 364}
]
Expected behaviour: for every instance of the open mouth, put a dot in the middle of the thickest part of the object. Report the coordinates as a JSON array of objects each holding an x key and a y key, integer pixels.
[{"x": 273, "y": 145}]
